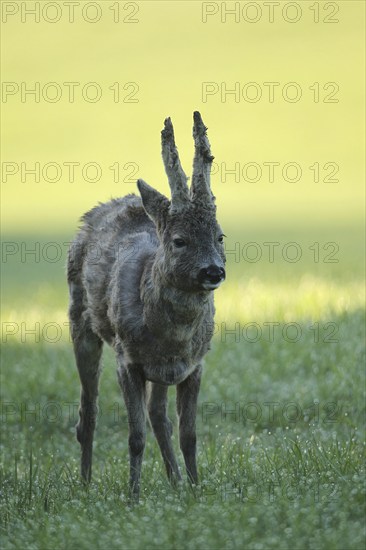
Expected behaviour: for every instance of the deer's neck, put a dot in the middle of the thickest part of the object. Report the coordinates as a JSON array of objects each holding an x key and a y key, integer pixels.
[{"x": 171, "y": 311}]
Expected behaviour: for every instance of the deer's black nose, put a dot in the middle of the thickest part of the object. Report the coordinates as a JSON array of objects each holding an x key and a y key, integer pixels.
[{"x": 211, "y": 274}]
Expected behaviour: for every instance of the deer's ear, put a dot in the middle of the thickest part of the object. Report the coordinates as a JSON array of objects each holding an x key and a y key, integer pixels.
[{"x": 155, "y": 204}]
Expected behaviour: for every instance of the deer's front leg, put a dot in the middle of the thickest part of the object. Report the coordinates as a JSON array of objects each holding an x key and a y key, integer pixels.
[
  {"x": 132, "y": 383},
  {"x": 187, "y": 395},
  {"x": 162, "y": 426}
]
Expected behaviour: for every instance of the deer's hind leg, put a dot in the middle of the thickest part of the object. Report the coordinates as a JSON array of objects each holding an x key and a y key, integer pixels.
[
  {"x": 162, "y": 426},
  {"x": 88, "y": 350}
]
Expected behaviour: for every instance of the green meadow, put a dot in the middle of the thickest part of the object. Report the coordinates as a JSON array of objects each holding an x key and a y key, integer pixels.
[
  {"x": 281, "y": 419},
  {"x": 280, "y": 423}
]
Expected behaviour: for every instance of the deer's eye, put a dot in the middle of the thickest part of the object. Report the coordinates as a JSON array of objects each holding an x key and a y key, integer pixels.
[
  {"x": 179, "y": 243},
  {"x": 221, "y": 238}
]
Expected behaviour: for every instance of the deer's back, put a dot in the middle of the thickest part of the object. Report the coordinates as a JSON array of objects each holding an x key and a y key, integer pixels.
[{"x": 114, "y": 234}]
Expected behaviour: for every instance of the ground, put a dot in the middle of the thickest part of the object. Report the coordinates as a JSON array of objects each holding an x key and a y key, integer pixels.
[{"x": 280, "y": 422}]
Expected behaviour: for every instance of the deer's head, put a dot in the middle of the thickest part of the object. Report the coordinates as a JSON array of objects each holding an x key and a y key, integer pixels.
[{"x": 191, "y": 239}]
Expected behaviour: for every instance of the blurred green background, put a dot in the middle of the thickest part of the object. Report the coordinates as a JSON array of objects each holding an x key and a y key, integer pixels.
[
  {"x": 159, "y": 57},
  {"x": 168, "y": 53}
]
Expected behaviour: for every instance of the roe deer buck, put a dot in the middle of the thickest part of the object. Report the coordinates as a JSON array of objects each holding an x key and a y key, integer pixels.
[{"x": 155, "y": 307}]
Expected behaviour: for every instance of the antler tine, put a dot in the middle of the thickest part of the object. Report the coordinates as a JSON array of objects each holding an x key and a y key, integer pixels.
[
  {"x": 176, "y": 176},
  {"x": 202, "y": 160}
]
